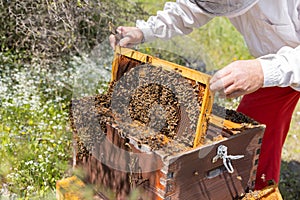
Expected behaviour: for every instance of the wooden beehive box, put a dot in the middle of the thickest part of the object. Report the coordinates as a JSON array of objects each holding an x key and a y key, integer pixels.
[{"x": 132, "y": 163}]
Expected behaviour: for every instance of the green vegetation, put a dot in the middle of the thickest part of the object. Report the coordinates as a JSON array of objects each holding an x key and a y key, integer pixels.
[
  {"x": 222, "y": 42},
  {"x": 290, "y": 164},
  {"x": 34, "y": 137},
  {"x": 51, "y": 53}
]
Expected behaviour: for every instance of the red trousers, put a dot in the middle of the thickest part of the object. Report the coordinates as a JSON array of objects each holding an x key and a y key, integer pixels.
[{"x": 273, "y": 107}]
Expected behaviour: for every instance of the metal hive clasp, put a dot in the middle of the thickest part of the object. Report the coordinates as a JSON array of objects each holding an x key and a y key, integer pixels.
[{"x": 222, "y": 154}]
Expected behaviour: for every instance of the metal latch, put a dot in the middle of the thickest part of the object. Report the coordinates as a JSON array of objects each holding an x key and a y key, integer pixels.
[{"x": 222, "y": 154}]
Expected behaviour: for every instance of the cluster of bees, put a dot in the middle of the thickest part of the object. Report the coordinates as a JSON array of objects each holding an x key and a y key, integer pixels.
[
  {"x": 239, "y": 118},
  {"x": 232, "y": 115},
  {"x": 159, "y": 102},
  {"x": 88, "y": 118},
  {"x": 156, "y": 106},
  {"x": 159, "y": 108}
]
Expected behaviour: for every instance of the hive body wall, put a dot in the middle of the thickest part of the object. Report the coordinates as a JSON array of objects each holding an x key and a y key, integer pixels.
[{"x": 120, "y": 162}]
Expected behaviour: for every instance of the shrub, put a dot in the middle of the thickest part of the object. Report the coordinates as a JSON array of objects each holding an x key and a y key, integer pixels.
[{"x": 52, "y": 29}]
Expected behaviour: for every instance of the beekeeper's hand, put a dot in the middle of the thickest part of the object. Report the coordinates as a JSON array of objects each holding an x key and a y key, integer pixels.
[
  {"x": 126, "y": 37},
  {"x": 238, "y": 78}
]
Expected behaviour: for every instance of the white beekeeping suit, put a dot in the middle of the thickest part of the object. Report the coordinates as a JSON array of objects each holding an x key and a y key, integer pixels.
[{"x": 273, "y": 38}]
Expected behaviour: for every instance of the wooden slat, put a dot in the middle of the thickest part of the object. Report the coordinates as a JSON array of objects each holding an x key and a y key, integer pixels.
[
  {"x": 184, "y": 71},
  {"x": 204, "y": 117},
  {"x": 220, "y": 122}
]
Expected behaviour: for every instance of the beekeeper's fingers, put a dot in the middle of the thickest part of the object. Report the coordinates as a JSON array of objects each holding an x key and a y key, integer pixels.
[
  {"x": 112, "y": 41},
  {"x": 127, "y": 41},
  {"x": 130, "y": 36}
]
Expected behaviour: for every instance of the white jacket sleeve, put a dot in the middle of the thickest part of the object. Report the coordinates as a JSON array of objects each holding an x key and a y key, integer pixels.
[
  {"x": 282, "y": 69},
  {"x": 177, "y": 18}
]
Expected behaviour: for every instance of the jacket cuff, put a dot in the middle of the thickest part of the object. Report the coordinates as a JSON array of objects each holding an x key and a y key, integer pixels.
[
  {"x": 147, "y": 31},
  {"x": 271, "y": 71}
]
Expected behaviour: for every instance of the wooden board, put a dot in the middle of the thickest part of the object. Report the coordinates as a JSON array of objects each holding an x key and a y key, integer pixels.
[{"x": 187, "y": 175}]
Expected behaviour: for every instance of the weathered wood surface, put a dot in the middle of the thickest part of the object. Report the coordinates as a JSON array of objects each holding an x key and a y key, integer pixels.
[
  {"x": 187, "y": 175},
  {"x": 117, "y": 164}
]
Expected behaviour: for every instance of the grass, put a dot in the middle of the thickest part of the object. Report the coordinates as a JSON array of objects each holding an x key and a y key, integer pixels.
[
  {"x": 34, "y": 139},
  {"x": 291, "y": 150},
  {"x": 290, "y": 164}
]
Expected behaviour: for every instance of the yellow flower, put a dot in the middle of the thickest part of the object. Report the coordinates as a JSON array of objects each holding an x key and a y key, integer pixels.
[
  {"x": 7, "y": 128},
  {"x": 30, "y": 122}
]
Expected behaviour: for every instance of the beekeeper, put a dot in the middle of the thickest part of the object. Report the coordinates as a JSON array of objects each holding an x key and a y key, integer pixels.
[{"x": 270, "y": 83}]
